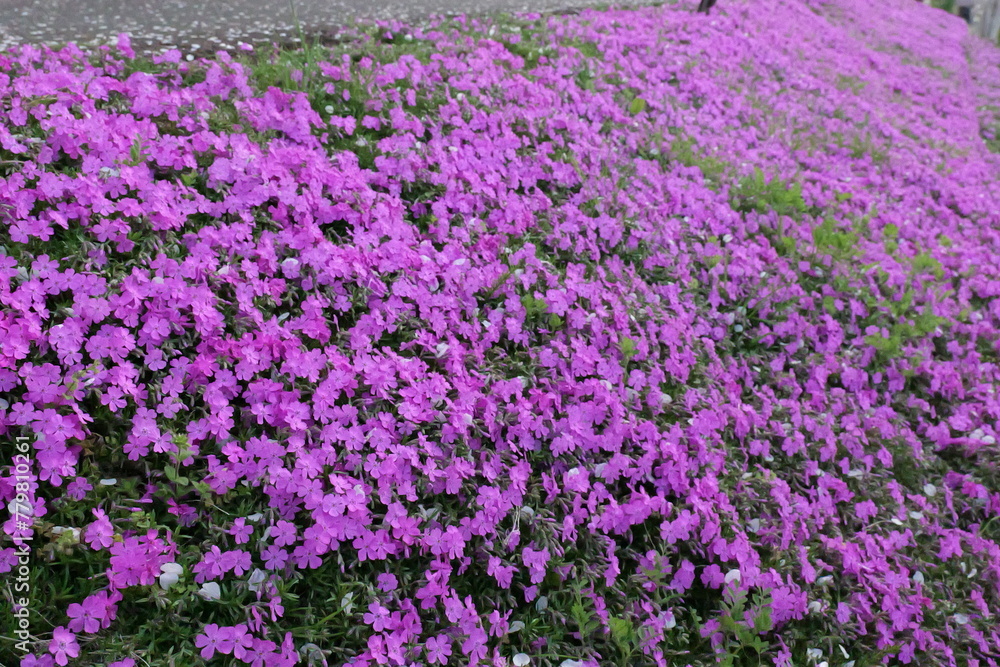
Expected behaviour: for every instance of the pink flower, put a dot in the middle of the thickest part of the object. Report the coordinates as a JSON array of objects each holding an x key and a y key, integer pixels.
[
  {"x": 88, "y": 615},
  {"x": 63, "y": 645},
  {"x": 99, "y": 533},
  {"x": 274, "y": 557},
  {"x": 241, "y": 531},
  {"x": 283, "y": 533},
  {"x": 212, "y": 639},
  {"x": 438, "y": 649},
  {"x": 387, "y": 582}
]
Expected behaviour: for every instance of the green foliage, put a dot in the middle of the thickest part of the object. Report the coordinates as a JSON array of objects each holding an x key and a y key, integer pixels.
[
  {"x": 924, "y": 263},
  {"x": 637, "y": 106},
  {"x": 852, "y": 83},
  {"x": 627, "y": 347},
  {"x": 828, "y": 238},
  {"x": 137, "y": 153},
  {"x": 533, "y": 307},
  {"x": 683, "y": 150},
  {"x": 589, "y": 49},
  {"x": 755, "y": 193},
  {"x": 743, "y": 627}
]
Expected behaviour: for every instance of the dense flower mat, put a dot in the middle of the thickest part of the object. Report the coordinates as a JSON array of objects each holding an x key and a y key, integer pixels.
[{"x": 619, "y": 338}]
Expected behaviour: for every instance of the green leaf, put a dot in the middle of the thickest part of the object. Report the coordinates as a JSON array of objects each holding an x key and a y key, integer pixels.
[
  {"x": 762, "y": 621},
  {"x": 638, "y": 106},
  {"x": 728, "y": 623},
  {"x": 627, "y": 347}
]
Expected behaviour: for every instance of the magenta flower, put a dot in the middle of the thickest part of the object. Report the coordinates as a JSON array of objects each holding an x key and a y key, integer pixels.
[
  {"x": 387, "y": 582},
  {"x": 212, "y": 639},
  {"x": 241, "y": 531},
  {"x": 438, "y": 649},
  {"x": 99, "y": 533},
  {"x": 283, "y": 533},
  {"x": 274, "y": 557},
  {"x": 89, "y": 615},
  {"x": 63, "y": 645}
]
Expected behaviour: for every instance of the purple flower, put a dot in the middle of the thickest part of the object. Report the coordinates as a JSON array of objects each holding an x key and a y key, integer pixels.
[
  {"x": 438, "y": 649},
  {"x": 387, "y": 582},
  {"x": 241, "y": 531},
  {"x": 274, "y": 557},
  {"x": 212, "y": 639},
  {"x": 88, "y": 616},
  {"x": 63, "y": 645},
  {"x": 283, "y": 533}
]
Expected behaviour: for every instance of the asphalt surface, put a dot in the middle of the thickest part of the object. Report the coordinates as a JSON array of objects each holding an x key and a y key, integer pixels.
[{"x": 203, "y": 26}]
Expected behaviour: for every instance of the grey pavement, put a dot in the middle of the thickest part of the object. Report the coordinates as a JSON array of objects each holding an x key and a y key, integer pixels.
[{"x": 203, "y": 26}]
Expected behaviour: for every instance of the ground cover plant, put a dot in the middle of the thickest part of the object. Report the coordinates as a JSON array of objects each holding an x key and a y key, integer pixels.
[{"x": 617, "y": 338}]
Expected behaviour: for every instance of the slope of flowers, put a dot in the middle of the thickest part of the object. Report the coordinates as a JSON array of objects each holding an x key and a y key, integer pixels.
[{"x": 621, "y": 338}]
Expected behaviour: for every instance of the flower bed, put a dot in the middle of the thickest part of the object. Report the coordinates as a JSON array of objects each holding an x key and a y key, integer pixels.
[{"x": 626, "y": 337}]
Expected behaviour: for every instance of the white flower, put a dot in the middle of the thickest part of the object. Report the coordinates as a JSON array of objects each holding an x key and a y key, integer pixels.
[
  {"x": 825, "y": 580},
  {"x": 733, "y": 575},
  {"x": 570, "y": 663},
  {"x": 521, "y": 659},
  {"x": 542, "y": 604},
  {"x": 844, "y": 651},
  {"x": 111, "y": 481},
  {"x": 168, "y": 579},
  {"x": 930, "y": 490},
  {"x": 813, "y": 654},
  {"x": 961, "y": 619},
  {"x": 210, "y": 591},
  {"x": 670, "y": 622},
  {"x": 73, "y": 532},
  {"x": 170, "y": 574},
  {"x": 22, "y": 509},
  {"x": 754, "y": 525},
  {"x": 257, "y": 578},
  {"x": 918, "y": 577},
  {"x": 440, "y": 350},
  {"x": 175, "y": 568},
  {"x": 516, "y": 626},
  {"x": 815, "y": 607},
  {"x": 916, "y": 516},
  {"x": 527, "y": 511},
  {"x": 328, "y": 109}
]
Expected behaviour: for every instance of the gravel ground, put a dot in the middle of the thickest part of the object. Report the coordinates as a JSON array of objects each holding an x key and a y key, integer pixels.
[{"x": 202, "y": 27}]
